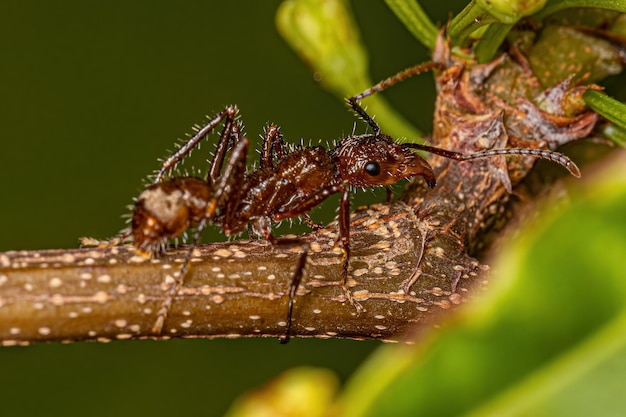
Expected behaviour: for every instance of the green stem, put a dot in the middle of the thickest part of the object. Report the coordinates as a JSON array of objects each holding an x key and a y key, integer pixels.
[
  {"x": 615, "y": 134},
  {"x": 607, "y": 107},
  {"x": 415, "y": 20},
  {"x": 471, "y": 18},
  {"x": 612, "y": 110},
  {"x": 491, "y": 40},
  {"x": 554, "y": 6}
]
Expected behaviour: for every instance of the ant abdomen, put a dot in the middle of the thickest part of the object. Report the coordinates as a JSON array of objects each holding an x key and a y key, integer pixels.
[{"x": 164, "y": 210}]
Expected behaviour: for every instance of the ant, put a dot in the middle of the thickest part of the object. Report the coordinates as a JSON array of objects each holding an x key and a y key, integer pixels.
[{"x": 287, "y": 184}]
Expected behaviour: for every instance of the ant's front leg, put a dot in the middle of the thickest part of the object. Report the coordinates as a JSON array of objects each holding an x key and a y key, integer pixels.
[
  {"x": 360, "y": 111},
  {"x": 353, "y": 101},
  {"x": 400, "y": 76},
  {"x": 389, "y": 194},
  {"x": 344, "y": 244}
]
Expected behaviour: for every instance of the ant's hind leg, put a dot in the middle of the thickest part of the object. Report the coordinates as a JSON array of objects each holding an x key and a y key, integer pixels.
[
  {"x": 231, "y": 135},
  {"x": 231, "y": 128},
  {"x": 234, "y": 173},
  {"x": 228, "y": 114},
  {"x": 311, "y": 223},
  {"x": 273, "y": 146},
  {"x": 122, "y": 238},
  {"x": 176, "y": 286}
]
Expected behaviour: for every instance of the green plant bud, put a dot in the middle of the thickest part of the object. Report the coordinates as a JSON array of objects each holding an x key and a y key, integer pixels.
[{"x": 510, "y": 11}]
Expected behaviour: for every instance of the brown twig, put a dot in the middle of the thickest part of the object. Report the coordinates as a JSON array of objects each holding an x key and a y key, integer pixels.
[{"x": 234, "y": 289}]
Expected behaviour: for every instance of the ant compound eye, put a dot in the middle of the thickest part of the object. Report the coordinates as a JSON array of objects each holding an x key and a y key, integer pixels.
[{"x": 372, "y": 168}]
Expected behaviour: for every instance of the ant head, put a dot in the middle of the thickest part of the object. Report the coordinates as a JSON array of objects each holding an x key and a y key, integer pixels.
[{"x": 376, "y": 160}]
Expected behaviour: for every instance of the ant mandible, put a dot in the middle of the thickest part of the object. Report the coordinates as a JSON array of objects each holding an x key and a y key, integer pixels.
[{"x": 287, "y": 184}]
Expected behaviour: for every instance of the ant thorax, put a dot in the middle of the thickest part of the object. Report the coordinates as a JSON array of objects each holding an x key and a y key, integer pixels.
[{"x": 285, "y": 187}]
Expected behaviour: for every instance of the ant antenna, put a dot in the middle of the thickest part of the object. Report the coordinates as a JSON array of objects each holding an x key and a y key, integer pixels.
[{"x": 559, "y": 158}]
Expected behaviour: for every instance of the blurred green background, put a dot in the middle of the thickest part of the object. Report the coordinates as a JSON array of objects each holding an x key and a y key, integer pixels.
[{"x": 92, "y": 94}]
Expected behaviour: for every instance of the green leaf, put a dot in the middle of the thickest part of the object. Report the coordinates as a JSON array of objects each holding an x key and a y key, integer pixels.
[
  {"x": 549, "y": 338},
  {"x": 554, "y": 6},
  {"x": 325, "y": 35},
  {"x": 490, "y": 41},
  {"x": 415, "y": 20}
]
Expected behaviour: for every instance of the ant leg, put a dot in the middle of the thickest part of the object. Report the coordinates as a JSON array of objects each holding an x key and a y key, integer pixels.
[
  {"x": 401, "y": 76},
  {"x": 353, "y": 101},
  {"x": 302, "y": 206},
  {"x": 227, "y": 190},
  {"x": 408, "y": 283},
  {"x": 293, "y": 289},
  {"x": 231, "y": 131},
  {"x": 233, "y": 173},
  {"x": 360, "y": 111},
  {"x": 104, "y": 244},
  {"x": 295, "y": 279},
  {"x": 389, "y": 193},
  {"x": 179, "y": 277},
  {"x": 273, "y": 146},
  {"x": 229, "y": 113},
  {"x": 309, "y": 222},
  {"x": 262, "y": 227},
  {"x": 344, "y": 244}
]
